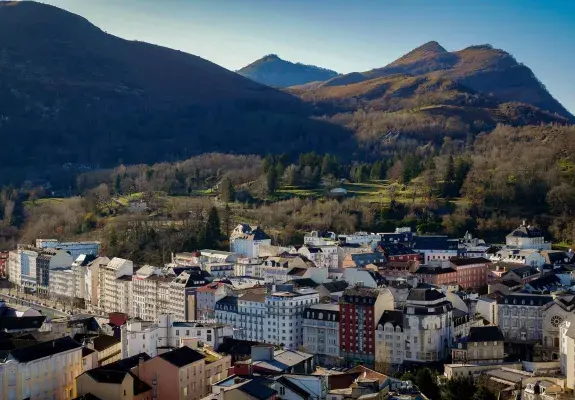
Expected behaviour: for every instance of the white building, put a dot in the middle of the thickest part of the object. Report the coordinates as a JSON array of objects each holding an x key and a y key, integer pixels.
[
  {"x": 320, "y": 238},
  {"x": 567, "y": 351},
  {"x": 46, "y": 370},
  {"x": 427, "y": 325},
  {"x": 246, "y": 239},
  {"x": 62, "y": 282},
  {"x": 219, "y": 270},
  {"x": 79, "y": 267},
  {"x": 528, "y": 257},
  {"x": 435, "y": 248},
  {"x": 321, "y": 332},
  {"x": 47, "y": 261},
  {"x": 527, "y": 237},
  {"x": 166, "y": 332},
  {"x": 359, "y": 238},
  {"x": 249, "y": 267},
  {"x": 321, "y": 256},
  {"x": 74, "y": 248},
  {"x": 245, "y": 313},
  {"x": 115, "y": 290},
  {"x": 389, "y": 340},
  {"x": 150, "y": 293},
  {"x": 283, "y": 321},
  {"x": 207, "y": 296}
]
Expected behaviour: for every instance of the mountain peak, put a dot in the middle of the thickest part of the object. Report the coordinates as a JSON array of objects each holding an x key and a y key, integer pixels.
[{"x": 431, "y": 46}]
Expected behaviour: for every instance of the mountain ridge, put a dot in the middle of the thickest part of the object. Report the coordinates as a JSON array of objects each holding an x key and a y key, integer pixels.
[{"x": 271, "y": 70}]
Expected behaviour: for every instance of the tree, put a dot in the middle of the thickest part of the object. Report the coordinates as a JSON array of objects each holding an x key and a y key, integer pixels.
[
  {"x": 483, "y": 393},
  {"x": 227, "y": 191},
  {"x": 561, "y": 199},
  {"x": 227, "y": 220},
  {"x": 425, "y": 381},
  {"x": 211, "y": 233},
  {"x": 457, "y": 389},
  {"x": 329, "y": 165},
  {"x": 448, "y": 178},
  {"x": 117, "y": 184},
  {"x": 271, "y": 180}
]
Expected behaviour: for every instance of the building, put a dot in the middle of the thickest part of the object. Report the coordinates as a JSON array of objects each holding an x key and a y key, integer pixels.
[
  {"x": 115, "y": 381},
  {"x": 167, "y": 333},
  {"x": 283, "y": 320},
  {"x": 79, "y": 267},
  {"x": 182, "y": 294},
  {"x": 246, "y": 239},
  {"x": 361, "y": 260},
  {"x": 4, "y": 263},
  {"x": 207, "y": 296},
  {"x": 42, "y": 370},
  {"x": 389, "y": 341},
  {"x": 178, "y": 374},
  {"x": 528, "y": 257},
  {"x": 435, "y": 247},
  {"x": 108, "y": 348},
  {"x": 62, "y": 282},
  {"x": 527, "y": 237},
  {"x": 471, "y": 272},
  {"x": 520, "y": 316},
  {"x": 115, "y": 285},
  {"x": 150, "y": 293},
  {"x": 92, "y": 282},
  {"x": 427, "y": 325},
  {"x": 554, "y": 313},
  {"x": 75, "y": 249},
  {"x": 48, "y": 261},
  {"x": 320, "y": 238},
  {"x": 567, "y": 351},
  {"x": 321, "y": 256},
  {"x": 359, "y": 238},
  {"x": 397, "y": 252},
  {"x": 321, "y": 332},
  {"x": 266, "y": 360},
  {"x": 22, "y": 268},
  {"x": 436, "y": 275},
  {"x": 252, "y": 313},
  {"x": 400, "y": 235},
  {"x": 484, "y": 345},
  {"x": 219, "y": 270},
  {"x": 360, "y": 310}
]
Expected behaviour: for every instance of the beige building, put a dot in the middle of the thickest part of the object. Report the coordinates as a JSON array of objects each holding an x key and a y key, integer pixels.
[
  {"x": 91, "y": 280},
  {"x": 113, "y": 384},
  {"x": 484, "y": 345},
  {"x": 41, "y": 371},
  {"x": 567, "y": 351},
  {"x": 150, "y": 293},
  {"x": 115, "y": 285}
]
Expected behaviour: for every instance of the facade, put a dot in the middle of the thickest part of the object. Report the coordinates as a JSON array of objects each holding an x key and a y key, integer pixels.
[
  {"x": 252, "y": 313},
  {"x": 389, "y": 340},
  {"x": 207, "y": 296},
  {"x": 47, "y": 261},
  {"x": 75, "y": 249},
  {"x": 398, "y": 252},
  {"x": 321, "y": 256},
  {"x": 115, "y": 290},
  {"x": 321, "y": 332},
  {"x": 360, "y": 310},
  {"x": 554, "y": 314},
  {"x": 527, "y": 237},
  {"x": 283, "y": 320},
  {"x": 182, "y": 288},
  {"x": 484, "y": 345},
  {"x": 4, "y": 263},
  {"x": 567, "y": 351},
  {"x": 520, "y": 316},
  {"x": 92, "y": 281},
  {"x": 62, "y": 282},
  {"x": 150, "y": 293},
  {"x": 436, "y": 275},
  {"x": 220, "y": 270},
  {"x": 427, "y": 325},
  {"x": 22, "y": 268},
  {"x": 112, "y": 384},
  {"x": 79, "y": 267},
  {"x": 43, "y": 370},
  {"x": 359, "y": 238},
  {"x": 435, "y": 247},
  {"x": 320, "y": 238},
  {"x": 471, "y": 272},
  {"x": 361, "y": 260},
  {"x": 246, "y": 239},
  {"x": 178, "y": 374}
]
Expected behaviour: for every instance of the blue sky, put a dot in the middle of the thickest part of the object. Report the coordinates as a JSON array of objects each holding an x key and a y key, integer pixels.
[{"x": 348, "y": 35}]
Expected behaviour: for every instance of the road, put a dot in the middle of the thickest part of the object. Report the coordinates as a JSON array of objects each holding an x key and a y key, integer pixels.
[{"x": 47, "y": 311}]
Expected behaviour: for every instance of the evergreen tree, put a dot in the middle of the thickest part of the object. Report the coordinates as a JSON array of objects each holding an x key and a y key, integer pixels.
[
  {"x": 449, "y": 178},
  {"x": 425, "y": 381},
  {"x": 329, "y": 165},
  {"x": 118, "y": 184},
  {"x": 483, "y": 393},
  {"x": 376, "y": 171},
  {"x": 459, "y": 388},
  {"x": 227, "y": 220},
  {"x": 280, "y": 169},
  {"x": 227, "y": 191},
  {"x": 211, "y": 233},
  {"x": 462, "y": 167},
  {"x": 267, "y": 163},
  {"x": 272, "y": 180},
  {"x": 316, "y": 177}
]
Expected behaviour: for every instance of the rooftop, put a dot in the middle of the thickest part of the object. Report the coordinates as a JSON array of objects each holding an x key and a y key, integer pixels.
[
  {"x": 485, "y": 334},
  {"x": 45, "y": 349},
  {"x": 182, "y": 356}
]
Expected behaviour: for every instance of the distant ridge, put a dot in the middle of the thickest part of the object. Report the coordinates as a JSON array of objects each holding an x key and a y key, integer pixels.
[{"x": 273, "y": 71}]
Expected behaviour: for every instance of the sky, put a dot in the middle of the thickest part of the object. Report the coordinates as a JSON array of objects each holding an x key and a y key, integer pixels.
[{"x": 348, "y": 35}]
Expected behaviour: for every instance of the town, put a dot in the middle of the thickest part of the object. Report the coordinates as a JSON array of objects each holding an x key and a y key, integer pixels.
[{"x": 341, "y": 316}]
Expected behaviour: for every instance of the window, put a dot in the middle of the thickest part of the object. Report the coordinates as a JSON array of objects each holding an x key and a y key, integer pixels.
[
  {"x": 177, "y": 332},
  {"x": 282, "y": 391}
]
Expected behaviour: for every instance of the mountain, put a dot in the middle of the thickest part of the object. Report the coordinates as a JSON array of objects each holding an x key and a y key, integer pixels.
[
  {"x": 484, "y": 69},
  {"x": 73, "y": 94},
  {"x": 273, "y": 71}
]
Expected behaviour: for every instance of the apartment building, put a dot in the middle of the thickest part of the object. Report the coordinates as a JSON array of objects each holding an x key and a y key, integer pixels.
[
  {"x": 322, "y": 256},
  {"x": 360, "y": 310},
  {"x": 92, "y": 288},
  {"x": 283, "y": 321},
  {"x": 4, "y": 263},
  {"x": 49, "y": 260},
  {"x": 62, "y": 282},
  {"x": 471, "y": 272},
  {"x": 207, "y": 296},
  {"x": 389, "y": 340},
  {"x": 41, "y": 371},
  {"x": 79, "y": 267},
  {"x": 321, "y": 332},
  {"x": 520, "y": 316},
  {"x": 527, "y": 237},
  {"x": 22, "y": 268},
  {"x": 150, "y": 293},
  {"x": 427, "y": 325},
  {"x": 436, "y": 275},
  {"x": 567, "y": 351},
  {"x": 435, "y": 247},
  {"x": 115, "y": 290}
]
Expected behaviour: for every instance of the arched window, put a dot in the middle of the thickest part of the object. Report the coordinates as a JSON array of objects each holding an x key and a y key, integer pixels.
[{"x": 556, "y": 342}]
